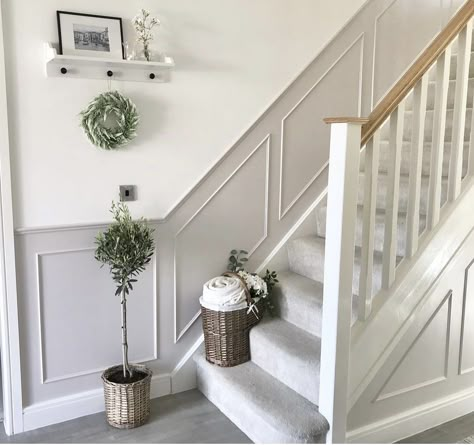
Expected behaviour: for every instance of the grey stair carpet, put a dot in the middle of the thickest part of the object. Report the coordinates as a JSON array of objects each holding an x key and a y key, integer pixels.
[
  {"x": 274, "y": 397},
  {"x": 260, "y": 405},
  {"x": 289, "y": 354}
]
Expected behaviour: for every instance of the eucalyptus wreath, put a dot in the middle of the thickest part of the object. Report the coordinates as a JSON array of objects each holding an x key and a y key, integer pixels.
[{"x": 121, "y": 132}]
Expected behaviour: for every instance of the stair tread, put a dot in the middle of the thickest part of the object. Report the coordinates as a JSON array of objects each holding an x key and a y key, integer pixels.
[
  {"x": 408, "y": 142},
  {"x": 288, "y": 337},
  {"x": 318, "y": 242},
  {"x": 410, "y": 111},
  {"x": 286, "y": 416},
  {"x": 310, "y": 250},
  {"x": 379, "y": 212}
]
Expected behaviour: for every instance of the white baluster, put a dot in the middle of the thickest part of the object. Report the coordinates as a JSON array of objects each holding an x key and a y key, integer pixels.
[
  {"x": 416, "y": 159},
  {"x": 338, "y": 269},
  {"x": 470, "y": 162},
  {"x": 439, "y": 131},
  {"x": 459, "y": 118},
  {"x": 371, "y": 166},
  {"x": 391, "y": 202}
]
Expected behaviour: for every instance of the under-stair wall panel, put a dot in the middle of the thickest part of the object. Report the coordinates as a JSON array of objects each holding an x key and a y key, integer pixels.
[
  {"x": 427, "y": 378},
  {"x": 252, "y": 198}
]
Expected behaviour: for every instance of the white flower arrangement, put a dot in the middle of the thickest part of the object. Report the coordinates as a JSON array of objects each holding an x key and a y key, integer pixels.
[
  {"x": 255, "y": 284},
  {"x": 259, "y": 287},
  {"x": 143, "y": 23}
]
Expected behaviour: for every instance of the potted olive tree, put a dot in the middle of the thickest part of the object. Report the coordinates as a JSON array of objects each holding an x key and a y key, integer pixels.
[{"x": 127, "y": 247}]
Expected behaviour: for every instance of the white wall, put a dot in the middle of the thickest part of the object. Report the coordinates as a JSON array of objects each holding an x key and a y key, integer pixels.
[{"x": 232, "y": 59}]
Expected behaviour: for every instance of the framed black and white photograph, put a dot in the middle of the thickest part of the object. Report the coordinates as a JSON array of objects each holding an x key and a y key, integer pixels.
[{"x": 90, "y": 35}]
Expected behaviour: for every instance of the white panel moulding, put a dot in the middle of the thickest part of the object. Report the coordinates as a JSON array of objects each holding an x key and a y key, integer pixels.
[{"x": 98, "y": 68}]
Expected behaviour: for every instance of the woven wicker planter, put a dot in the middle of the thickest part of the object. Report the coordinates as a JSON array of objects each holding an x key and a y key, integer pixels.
[
  {"x": 226, "y": 334},
  {"x": 127, "y": 405}
]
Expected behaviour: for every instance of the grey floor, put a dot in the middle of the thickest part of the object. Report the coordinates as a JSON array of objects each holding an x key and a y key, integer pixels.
[
  {"x": 450, "y": 432},
  {"x": 187, "y": 417}
]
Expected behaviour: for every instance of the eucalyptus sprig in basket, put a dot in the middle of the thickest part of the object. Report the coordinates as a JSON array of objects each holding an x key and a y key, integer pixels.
[{"x": 259, "y": 287}]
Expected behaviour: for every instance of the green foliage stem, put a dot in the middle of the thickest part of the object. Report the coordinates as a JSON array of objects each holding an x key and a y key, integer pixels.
[{"x": 127, "y": 247}]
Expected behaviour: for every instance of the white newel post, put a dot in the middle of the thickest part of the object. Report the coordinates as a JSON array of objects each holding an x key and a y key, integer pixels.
[{"x": 338, "y": 269}]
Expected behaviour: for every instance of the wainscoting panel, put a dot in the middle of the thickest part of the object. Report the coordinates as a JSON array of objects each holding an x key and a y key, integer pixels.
[
  {"x": 414, "y": 22},
  {"x": 79, "y": 312},
  {"x": 466, "y": 353},
  {"x": 236, "y": 216},
  {"x": 304, "y": 135},
  {"x": 429, "y": 367},
  {"x": 432, "y": 344}
]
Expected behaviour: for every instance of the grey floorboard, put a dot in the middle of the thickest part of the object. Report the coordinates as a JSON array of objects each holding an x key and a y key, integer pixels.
[
  {"x": 450, "y": 432},
  {"x": 187, "y": 417}
]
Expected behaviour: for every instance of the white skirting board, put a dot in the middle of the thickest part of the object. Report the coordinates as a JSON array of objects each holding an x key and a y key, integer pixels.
[
  {"x": 416, "y": 420},
  {"x": 182, "y": 378},
  {"x": 81, "y": 404}
]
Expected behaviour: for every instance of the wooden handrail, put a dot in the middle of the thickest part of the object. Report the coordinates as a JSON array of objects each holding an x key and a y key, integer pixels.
[{"x": 388, "y": 104}]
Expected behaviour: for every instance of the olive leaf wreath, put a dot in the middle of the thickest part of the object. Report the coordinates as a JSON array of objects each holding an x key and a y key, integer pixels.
[{"x": 94, "y": 116}]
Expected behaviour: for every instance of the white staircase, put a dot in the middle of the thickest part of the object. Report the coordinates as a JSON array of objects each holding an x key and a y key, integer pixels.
[{"x": 405, "y": 176}]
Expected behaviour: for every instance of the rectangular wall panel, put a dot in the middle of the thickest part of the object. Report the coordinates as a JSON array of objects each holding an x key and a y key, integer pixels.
[{"x": 80, "y": 316}]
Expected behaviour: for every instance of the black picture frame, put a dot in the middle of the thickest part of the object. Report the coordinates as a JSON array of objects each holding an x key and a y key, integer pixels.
[{"x": 58, "y": 18}]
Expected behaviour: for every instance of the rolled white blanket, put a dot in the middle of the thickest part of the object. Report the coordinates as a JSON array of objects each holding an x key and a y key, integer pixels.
[{"x": 223, "y": 294}]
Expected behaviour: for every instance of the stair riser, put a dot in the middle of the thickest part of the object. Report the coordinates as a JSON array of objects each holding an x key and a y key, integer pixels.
[
  {"x": 308, "y": 260},
  {"x": 405, "y": 165},
  {"x": 305, "y": 316},
  {"x": 299, "y": 374},
  {"x": 403, "y": 193},
  {"x": 428, "y": 134},
  {"x": 378, "y": 233}
]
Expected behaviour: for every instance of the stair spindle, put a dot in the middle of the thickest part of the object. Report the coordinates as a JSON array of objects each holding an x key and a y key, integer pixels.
[
  {"x": 439, "y": 132},
  {"x": 391, "y": 202},
  {"x": 371, "y": 166},
  {"x": 420, "y": 95},
  {"x": 459, "y": 118},
  {"x": 470, "y": 163}
]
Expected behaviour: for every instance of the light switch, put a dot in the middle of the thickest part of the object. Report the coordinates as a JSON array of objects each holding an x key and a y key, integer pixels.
[{"x": 127, "y": 193}]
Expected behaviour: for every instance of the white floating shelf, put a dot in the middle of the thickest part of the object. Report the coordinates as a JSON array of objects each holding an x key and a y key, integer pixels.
[{"x": 98, "y": 68}]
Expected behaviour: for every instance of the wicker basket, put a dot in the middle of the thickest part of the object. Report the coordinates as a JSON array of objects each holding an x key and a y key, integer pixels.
[
  {"x": 226, "y": 334},
  {"x": 127, "y": 405}
]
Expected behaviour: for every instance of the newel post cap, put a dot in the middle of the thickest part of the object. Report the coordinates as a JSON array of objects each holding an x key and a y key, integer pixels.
[{"x": 346, "y": 120}]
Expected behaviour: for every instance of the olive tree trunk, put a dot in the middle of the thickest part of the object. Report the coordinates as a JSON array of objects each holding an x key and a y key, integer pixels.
[{"x": 126, "y": 367}]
